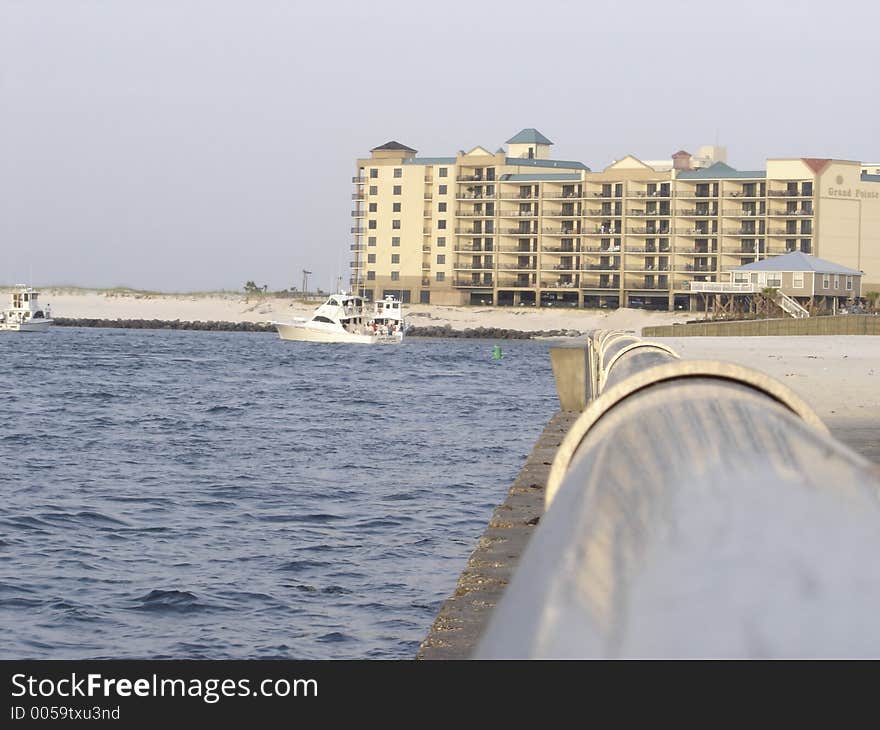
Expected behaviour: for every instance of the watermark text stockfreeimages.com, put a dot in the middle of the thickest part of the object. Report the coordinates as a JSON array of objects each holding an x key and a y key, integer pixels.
[{"x": 209, "y": 690}]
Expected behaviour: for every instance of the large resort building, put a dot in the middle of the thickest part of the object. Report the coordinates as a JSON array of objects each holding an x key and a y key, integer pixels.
[{"x": 518, "y": 227}]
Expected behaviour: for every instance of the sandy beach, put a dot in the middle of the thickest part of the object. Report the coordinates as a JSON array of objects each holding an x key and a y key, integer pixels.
[{"x": 237, "y": 307}]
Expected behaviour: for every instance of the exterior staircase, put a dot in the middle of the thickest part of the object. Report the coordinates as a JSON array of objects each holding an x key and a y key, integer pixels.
[{"x": 790, "y": 306}]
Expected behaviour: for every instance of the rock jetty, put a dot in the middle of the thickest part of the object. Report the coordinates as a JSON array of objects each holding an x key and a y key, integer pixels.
[{"x": 488, "y": 333}]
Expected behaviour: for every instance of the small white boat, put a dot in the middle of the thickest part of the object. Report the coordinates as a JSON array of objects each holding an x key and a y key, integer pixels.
[
  {"x": 348, "y": 318},
  {"x": 25, "y": 313}
]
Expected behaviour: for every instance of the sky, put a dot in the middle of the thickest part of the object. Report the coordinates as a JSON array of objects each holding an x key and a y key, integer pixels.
[{"x": 193, "y": 145}]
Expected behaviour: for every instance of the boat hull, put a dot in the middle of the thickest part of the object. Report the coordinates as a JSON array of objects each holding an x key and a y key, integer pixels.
[
  {"x": 304, "y": 333},
  {"x": 29, "y": 326}
]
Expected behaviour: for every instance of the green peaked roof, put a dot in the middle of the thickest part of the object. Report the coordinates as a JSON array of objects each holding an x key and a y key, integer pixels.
[{"x": 529, "y": 136}]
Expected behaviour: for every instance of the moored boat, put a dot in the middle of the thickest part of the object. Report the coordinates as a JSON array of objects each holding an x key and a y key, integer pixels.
[
  {"x": 347, "y": 318},
  {"x": 25, "y": 314}
]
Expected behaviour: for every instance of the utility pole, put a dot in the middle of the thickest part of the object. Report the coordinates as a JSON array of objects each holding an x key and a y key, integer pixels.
[{"x": 305, "y": 288}]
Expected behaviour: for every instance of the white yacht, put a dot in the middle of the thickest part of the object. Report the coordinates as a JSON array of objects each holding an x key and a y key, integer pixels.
[
  {"x": 25, "y": 314},
  {"x": 348, "y": 318}
]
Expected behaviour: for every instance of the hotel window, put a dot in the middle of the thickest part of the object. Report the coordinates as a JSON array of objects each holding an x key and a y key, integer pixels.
[
  {"x": 441, "y": 207},
  {"x": 395, "y": 190},
  {"x": 441, "y": 240},
  {"x": 849, "y": 284},
  {"x": 443, "y": 172},
  {"x": 373, "y": 207},
  {"x": 395, "y": 207},
  {"x": 371, "y": 276},
  {"x": 774, "y": 280},
  {"x": 371, "y": 258},
  {"x": 441, "y": 275},
  {"x": 395, "y": 258},
  {"x": 371, "y": 224},
  {"x": 441, "y": 224},
  {"x": 395, "y": 223},
  {"x": 374, "y": 172},
  {"x": 826, "y": 281},
  {"x": 837, "y": 281},
  {"x": 374, "y": 189},
  {"x": 398, "y": 172},
  {"x": 797, "y": 280},
  {"x": 441, "y": 190},
  {"x": 395, "y": 240},
  {"x": 807, "y": 188},
  {"x": 441, "y": 258},
  {"x": 371, "y": 241},
  {"x": 395, "y": 276}
]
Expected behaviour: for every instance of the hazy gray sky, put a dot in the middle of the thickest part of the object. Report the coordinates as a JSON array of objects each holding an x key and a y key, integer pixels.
[{"x": 173, "y": 144}]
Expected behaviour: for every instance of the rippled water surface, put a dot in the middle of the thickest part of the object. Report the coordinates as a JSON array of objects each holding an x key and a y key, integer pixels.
[{"x": 229, "y": 495}]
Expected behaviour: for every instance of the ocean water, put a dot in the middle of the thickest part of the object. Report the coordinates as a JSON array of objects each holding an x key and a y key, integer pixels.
[{"x": 169, "y": 494}]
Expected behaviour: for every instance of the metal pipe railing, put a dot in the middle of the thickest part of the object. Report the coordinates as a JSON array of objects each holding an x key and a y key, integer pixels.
[{"x": 695, "y": 509}]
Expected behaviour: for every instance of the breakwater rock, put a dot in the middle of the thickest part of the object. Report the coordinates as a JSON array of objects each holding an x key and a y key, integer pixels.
[
  {"x": 487, "y": 333},
  {"x": 159, "y": 324}
]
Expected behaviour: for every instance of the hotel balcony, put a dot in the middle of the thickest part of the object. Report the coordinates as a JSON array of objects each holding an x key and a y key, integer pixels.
[
  {"x": 647, "y": 267},
  {"x": 738, "y": 213},
  {"x": 743, "y": 232},
  {"x": 647, "y": 249},
  {"x": 599, "y": 213},
  {"x": 684, "y": 193},
  {"x": 648, "y": 194},
  {"x": 358, "y": 213},
  {"x": 357, "y": 247},
  {"x": 787, "y": 194},
  {"x": 474, "y": 178},
  {"x": 426, "y": 282},
  {"x": 472, "y": 267},
  {"x": 695, "y": 252},
  {"x": 638, "y": 230},
  {"x": 517, "y": 214},
  {"x": 428, "y": 195},
  {"x": 357, "y": 196},
  {"x": 696, "y": 213},
  {"x": 696, "y": 233},
  {"x": 600, "y": 249},
  {"x": 599, "y": 232},
  {"x": 518, "y": 232},
  {"x": 560, "y": 249},
  {"x": 473, "y": 214},
  {"x": 359, "y": 180},
  {"x": 518, "y": 267},
  {"x": 598, "y": 283},
  {"x": 784, "y": 233},
  {"x": 470, "y": 248},
  {"x": 560, "y": 231},
  {"x": 599, "y": 267},
  {"x": 789, "y": 213},
  {"x": 741, "y": 194},
  {"x": 550, "y": 194},
  {"x": 560, "y": 213},
  {"x": 515, "y": 195},
  {"x": 471, "y": 284},
  {"x": 357, "y": 230},
  {"x": 699, "y": 268}
]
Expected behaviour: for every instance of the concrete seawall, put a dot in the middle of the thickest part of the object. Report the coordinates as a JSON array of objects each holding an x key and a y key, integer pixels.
[{"x": 850, "y": 324}]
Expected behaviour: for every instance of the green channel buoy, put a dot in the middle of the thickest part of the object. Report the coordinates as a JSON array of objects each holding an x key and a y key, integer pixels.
[{"x": 496, "y": 352}]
